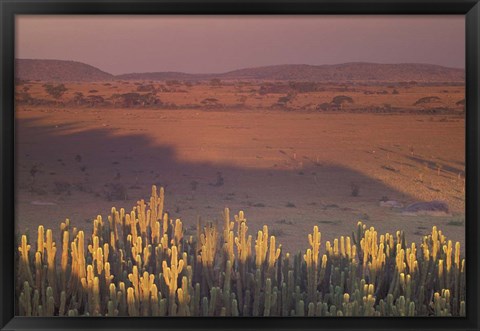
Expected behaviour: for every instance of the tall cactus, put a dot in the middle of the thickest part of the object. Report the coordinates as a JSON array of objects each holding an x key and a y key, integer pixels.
[
  {"x": 171, "y": 277},
  {"x": 141, "y": 263}
]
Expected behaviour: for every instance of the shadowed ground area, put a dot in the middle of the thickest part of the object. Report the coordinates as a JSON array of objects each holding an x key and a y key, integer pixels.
[{"x": 289, "y": 171}]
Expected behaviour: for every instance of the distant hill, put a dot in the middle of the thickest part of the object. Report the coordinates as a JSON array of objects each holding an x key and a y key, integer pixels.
[
  {"x": 56, "y": 70},
  {"x": 358, "y": 71},
  {"x": 323, "y": 73}
]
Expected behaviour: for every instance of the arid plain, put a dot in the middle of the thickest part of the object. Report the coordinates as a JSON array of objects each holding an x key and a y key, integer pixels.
[{"x": 291, "y": 157}]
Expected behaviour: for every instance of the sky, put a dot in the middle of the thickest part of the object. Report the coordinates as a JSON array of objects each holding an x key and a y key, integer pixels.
[{"x": 214, "y": 44}]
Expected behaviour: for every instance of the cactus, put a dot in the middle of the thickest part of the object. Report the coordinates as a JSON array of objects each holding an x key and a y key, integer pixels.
[
  {"x": 273, "y": 255},
  {"x": 261, "y": 247},
  {"x": 183, "y": 298},
  {"x": 24, "y": 271},
  {"x": 171, "y": 277},
  {"x": 140, "y": 263}
]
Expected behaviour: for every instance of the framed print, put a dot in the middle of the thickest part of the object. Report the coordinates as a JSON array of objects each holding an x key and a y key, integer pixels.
[{"x": 234, "y": 165}]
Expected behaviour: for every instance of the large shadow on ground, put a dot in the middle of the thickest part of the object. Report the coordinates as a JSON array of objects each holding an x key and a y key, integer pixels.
[{"x": 75, "y": 174}]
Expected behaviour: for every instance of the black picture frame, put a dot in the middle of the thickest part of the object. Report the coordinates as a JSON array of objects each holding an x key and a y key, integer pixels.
[{"x": 10, "y": 8}]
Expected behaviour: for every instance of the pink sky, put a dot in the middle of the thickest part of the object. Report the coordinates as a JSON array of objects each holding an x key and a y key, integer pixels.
[{"x": 207, "y": 44}]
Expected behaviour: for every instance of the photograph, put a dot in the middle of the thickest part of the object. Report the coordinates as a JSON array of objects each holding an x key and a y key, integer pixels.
[{"x": 240, "y": 165}]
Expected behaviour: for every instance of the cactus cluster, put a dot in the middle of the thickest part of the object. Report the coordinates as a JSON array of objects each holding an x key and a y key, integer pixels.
[{"x": 142, "y": 264}]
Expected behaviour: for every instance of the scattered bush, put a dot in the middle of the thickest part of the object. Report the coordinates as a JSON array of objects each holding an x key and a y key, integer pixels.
[
  {"x": 324, "y": 106},
  {"x": 172, "y": 82},
  {"x": 215, "y": 82},
  {"x": 210, "y": 103},
  {"x": 283, "y": 101},
  {"x": 115, "y": 192},
  {"x": 55, "y": 91},
  {"x": 78, "y": 98},
  {"x": 94, "y": 100},
  {"x": 133, "y": 99},
  {"x": 340, "y": 100},
  {"x": 277, "y": 88},
  {"x": 303, "y": 87},
  {"x": 23, "y": 97},
  {"x": 425, "y": 100},
  {"x": 62, "y": 187},
  {"x": 146, "y": 88},
  {"x": 355, "y": 190}
]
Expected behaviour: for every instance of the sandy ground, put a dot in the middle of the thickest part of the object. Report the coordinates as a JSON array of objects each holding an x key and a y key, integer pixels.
[{"x": 288, "y": 170}]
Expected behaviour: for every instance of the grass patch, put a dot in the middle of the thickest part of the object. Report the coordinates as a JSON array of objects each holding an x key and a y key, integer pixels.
[
  {"x": 455, "y": 223},
  {"x": 277, "y": 232},
  {"x": 326, "y": 222},
  {"x": 390, "y": 168},
  {"x": 284, "y": 222},
  {"x": 258, "y": 204},
  {"x": 332, "y": 205}
]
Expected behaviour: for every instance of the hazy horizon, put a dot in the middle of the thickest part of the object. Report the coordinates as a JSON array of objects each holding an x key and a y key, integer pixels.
[{"x": 217, "y": 44}]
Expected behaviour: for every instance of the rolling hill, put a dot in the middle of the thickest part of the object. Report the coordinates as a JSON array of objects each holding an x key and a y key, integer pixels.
[
  {"x": 358, "y": 71},
  {"x": 57, "y": 70}
]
